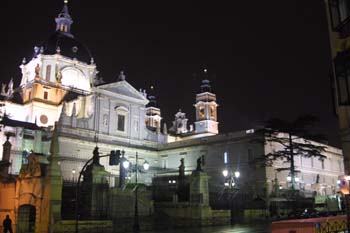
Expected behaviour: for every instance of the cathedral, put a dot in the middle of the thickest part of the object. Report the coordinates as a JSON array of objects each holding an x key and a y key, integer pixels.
[
  {"x": 60, "y": 92},
  {"x": 60, "y": 84}
]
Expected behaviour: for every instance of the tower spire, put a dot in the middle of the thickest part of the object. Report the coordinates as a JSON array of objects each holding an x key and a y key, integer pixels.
[
  {"x": 205, "y": 86},
  {"x": 64, "y": 20},
  {"x": 206, "y": 108}
]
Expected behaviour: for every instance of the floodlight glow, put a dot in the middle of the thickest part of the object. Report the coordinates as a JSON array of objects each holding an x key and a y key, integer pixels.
[
  {"x": 289, "y": 178},
  {"x": 237, "y": 174},
  {"x": 225, "y": 173},
  {"x": 146, "y": 165},
  {"x": 225, "y": 158},
  {"x": 126, "y": 164}
]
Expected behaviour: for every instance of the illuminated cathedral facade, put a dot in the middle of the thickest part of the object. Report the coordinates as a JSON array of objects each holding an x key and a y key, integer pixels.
[{"x": 60, "y": 84}]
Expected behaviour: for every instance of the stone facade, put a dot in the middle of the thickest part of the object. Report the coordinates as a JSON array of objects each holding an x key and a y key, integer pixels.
[{"x": 60, "y": 84}]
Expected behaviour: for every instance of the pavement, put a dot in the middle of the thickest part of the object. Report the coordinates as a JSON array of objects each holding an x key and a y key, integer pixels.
[{"x": 225, "y": 229}]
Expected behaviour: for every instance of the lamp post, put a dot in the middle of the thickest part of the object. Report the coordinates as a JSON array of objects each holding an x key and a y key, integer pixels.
[
  {"x": 94, "y": 159},
  {"x": 126, "y": 163},
  {"x": 73, "y": 175},
  {"x": 231, "y": 185}
]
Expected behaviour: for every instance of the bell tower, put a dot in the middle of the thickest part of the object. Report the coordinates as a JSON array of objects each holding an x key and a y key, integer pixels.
[
  {"x": 153, "y": 117},
  {"x": 206, "y": 109}
]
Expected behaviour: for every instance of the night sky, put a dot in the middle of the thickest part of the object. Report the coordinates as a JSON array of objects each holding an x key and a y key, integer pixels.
[{"x": 265, "y": 58}]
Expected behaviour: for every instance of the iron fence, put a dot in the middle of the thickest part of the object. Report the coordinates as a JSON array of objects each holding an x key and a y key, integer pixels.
[{"x": 336, "y": 226}]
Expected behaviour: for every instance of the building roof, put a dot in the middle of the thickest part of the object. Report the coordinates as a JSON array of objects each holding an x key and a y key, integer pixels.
[
  {"x": 68, "y": 46},
  {"x": 70, "y": 96},
  {"x": 14, "y": 123}
]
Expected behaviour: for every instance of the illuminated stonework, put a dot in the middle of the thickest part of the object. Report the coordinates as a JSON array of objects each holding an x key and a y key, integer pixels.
[
  {"x": 75, "y": 78},
  {"x": 59, "y": 85}
]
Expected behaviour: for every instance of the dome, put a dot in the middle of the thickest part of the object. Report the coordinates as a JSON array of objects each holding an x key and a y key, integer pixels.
[
  {"x": 63, "y": 42},
  {"x": 66, "y": 45}
]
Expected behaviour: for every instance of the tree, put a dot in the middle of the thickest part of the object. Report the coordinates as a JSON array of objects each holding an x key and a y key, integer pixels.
[{"x": 294, "y": 138}]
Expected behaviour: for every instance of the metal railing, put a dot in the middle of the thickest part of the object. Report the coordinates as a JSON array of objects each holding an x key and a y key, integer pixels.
[{"x": 336, "y": 226}]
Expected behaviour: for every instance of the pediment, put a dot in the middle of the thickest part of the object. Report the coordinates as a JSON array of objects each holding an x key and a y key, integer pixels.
[{"x": 123, "y": 89}]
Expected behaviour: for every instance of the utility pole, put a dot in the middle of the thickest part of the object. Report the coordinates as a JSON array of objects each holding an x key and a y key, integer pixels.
[{"x": 136, "y": 227}]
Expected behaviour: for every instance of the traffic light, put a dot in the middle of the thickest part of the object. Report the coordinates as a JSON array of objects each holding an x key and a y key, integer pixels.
[{"x": 114, "y": 157}]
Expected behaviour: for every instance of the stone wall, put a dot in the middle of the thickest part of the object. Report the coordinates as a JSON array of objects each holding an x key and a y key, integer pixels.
[
  {"x": 122, "y": 202},
  {"x": 91, "y": 226},
  {"x": 7, "y": 201}
]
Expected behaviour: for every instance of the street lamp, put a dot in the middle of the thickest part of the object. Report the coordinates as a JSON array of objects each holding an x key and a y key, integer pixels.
[
  {"x": 237, "y": 174},
  {"x": 126, "y": 164},
  {"x": 225, "y": 172},
  {"x": 73, "y": 175},
  {"x": 230, "y": 185},
  {"x": 296, "y": 179},
  {"x": 146, "y": 165}
]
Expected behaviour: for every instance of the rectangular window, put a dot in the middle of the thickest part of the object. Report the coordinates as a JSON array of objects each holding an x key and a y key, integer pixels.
[
  {"x": 46, "y": 95},
  {"x": 29, "y": 94},
  {"x": 25, "y": 157},
  {"x": 164, "y": 163},
  {"x": 344, "y": 9},
  {"x": 250, "y": 155},
  {"x": 339, "y": 13},
  {"x": 312, "y": 162},
  {"x": 342, "y": 74},
  {"x": 48, "y": 72},
  {"x": 121, "y": 123},
  {"x": 322, "y": 163},
  {"x": 342, "y": 90}
]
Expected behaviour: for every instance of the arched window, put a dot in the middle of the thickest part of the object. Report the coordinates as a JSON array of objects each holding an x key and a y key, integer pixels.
[
  {"x": 201, "y": 112},
  {"x": 73, "y": 77},
  {"x": 213, "y": 113}
]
